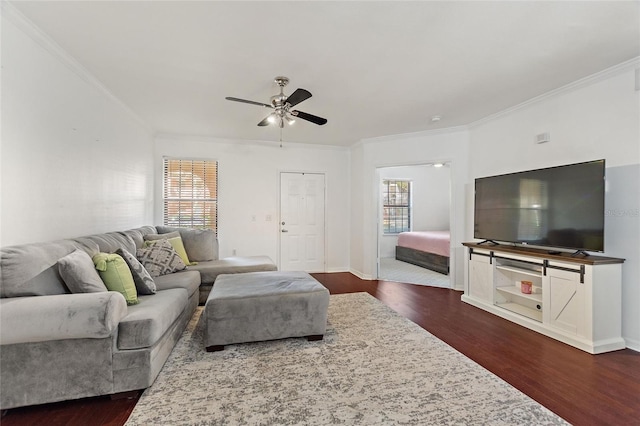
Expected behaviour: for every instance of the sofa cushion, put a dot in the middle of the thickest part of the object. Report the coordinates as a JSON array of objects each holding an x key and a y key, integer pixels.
[
  {"x": 187, "y": 279},
  {"x": 160, "y": 259},
  {"x": 176, "y": 242},
  {"x": 146, "y": 322},
  {"x": 232, "y": 265},
  {"x": 60, "y": 317},
  {"x": 142, "y": 279},
  {"x": 79, "y": 273},
  {"x": 108, "y": 243},
  {"x": 137, "y": 234},
  {"x": 116, "y": 275},
  {"x": 163, "y": 236},
  {"x": 32, "y": 269},
  {"x": 201, "y": 244}
]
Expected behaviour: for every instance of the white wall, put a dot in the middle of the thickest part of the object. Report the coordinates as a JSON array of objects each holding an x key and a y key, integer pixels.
[
  {"x": 419, "y": 148},
  {"x": 599, "y": 118},
  {"x": 249, "y": 186},
  {"x": 74, "y": 160},
  {"x": 430, "y": 191}
]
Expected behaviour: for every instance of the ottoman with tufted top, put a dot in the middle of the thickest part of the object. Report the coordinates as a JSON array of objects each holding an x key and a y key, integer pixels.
[{"x": 258, "y": 306}]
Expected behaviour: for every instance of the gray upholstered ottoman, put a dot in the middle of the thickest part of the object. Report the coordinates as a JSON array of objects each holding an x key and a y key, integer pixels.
[{"x": 258, "y": 306}]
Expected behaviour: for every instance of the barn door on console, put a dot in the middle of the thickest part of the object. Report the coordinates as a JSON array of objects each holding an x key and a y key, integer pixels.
[{"x": 302, "y": 222}]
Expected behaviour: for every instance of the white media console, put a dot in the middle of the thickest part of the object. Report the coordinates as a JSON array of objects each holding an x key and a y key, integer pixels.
[{"x": 575, "y": 299}]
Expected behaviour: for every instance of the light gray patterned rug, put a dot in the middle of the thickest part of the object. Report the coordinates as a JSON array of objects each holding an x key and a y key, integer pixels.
[{"x": 374, "y": 367}]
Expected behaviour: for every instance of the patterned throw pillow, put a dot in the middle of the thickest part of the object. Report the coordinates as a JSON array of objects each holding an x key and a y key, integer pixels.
[
  {"x": 144, "y": 282},
  {"x": 160, "y": 259},
  {"x": 176, "y": 242}
]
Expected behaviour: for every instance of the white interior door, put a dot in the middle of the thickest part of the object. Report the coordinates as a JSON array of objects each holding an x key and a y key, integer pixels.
[{"x": 302, "y": 228}]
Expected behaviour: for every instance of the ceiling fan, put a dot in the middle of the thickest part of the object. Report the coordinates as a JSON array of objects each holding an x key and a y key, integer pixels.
[{"x": 281, "y": 105}]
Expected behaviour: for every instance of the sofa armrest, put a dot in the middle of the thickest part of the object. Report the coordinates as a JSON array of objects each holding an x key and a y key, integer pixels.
[{"x": 59, "y": 317}]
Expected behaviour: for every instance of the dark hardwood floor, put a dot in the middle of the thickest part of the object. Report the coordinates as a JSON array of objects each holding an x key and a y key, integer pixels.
[{"x": 584, "y": 389}]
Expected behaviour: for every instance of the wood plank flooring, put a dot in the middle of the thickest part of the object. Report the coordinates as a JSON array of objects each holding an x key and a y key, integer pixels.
[{"x": 584, "y": 389}]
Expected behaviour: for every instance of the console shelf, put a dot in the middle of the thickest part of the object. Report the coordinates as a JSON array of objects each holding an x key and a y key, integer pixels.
[
  {"x": 513, "y": 290},
  {"x": 576, "y": 300}
]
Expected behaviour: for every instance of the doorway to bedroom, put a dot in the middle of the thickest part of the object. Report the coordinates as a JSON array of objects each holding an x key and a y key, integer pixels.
[{"x": 414, "y": 204}]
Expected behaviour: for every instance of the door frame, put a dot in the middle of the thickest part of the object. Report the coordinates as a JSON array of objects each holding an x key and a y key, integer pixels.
[
  {"x": 279, "y": 221},
  {"x": 378, "y": 219}
]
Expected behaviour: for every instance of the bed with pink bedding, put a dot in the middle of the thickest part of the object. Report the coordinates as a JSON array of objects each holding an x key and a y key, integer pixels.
[{"x": 428, "y": 249}]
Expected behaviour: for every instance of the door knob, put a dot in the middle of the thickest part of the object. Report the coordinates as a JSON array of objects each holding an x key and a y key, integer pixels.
[{"x": 284, "y": 230}]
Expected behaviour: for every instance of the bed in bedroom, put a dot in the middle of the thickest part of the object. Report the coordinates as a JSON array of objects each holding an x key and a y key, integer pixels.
[{"x": 428, "y": 249}]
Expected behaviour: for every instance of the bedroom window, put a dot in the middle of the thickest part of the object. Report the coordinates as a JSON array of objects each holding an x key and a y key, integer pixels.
[
  {"x": 190, "y": 193},
  {"x": 396, "y": 206}
]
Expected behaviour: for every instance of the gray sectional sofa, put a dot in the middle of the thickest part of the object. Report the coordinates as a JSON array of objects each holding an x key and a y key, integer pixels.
[{"x": 57, "y": 345}]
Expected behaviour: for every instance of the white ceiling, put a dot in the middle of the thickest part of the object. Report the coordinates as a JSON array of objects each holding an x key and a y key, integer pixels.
[{"x": 374, "y": 68}]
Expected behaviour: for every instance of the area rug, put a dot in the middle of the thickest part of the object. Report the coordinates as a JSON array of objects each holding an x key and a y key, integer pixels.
[{"x": 374, "y": 367}]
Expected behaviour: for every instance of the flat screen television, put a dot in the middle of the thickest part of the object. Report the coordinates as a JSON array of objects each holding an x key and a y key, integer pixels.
[{"x": 559, "y": 207}]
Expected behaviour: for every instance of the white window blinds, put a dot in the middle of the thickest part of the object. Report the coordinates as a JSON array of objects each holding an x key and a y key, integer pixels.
[{"x": 190, "y": 193}]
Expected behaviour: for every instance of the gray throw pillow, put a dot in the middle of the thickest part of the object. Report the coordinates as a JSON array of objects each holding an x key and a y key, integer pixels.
[
  {"x": 160, "y": 259},
  {"x": 144, "y": 282},
  {"x": 79, "y": 273}
]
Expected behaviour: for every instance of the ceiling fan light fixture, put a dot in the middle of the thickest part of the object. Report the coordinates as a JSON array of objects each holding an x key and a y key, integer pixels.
[{"x": 281, "y": 104}]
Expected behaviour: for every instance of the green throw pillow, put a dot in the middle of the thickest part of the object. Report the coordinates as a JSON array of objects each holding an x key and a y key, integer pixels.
[
  {"x": 176, "y": 243},
  {"x": 116, "y": 275}
]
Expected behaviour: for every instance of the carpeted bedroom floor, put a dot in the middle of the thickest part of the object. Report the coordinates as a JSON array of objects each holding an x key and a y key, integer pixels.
[{"x": 402, "y": 272}]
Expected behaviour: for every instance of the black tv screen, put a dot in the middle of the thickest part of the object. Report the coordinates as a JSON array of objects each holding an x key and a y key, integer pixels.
[{"x": 554, "y": 207}]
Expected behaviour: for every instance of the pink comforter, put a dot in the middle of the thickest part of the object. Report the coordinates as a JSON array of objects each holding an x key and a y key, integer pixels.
[{"x": 430, "y": 241}]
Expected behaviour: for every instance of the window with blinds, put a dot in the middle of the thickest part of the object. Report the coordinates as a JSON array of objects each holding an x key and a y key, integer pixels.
[
  {"x": 396, "y": 206},
  {"x": 190, "y": 193}
]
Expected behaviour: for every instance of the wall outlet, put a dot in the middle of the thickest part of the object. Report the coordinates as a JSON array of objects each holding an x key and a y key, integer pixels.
[
  {"x": 268, "y": 218},
  {"x": 543, "y": 137},
  {"x": 234, "y": 252}
]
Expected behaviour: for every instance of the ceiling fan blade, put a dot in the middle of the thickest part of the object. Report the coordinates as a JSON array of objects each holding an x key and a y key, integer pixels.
[
  {"x": 298, "y": 96},
  {"x": 310, "y": 117},
  {"x": 229, "y": 98},
  {"x": 265, "y": 122}
]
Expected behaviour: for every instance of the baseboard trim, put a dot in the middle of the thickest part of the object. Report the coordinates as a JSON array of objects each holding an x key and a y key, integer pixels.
[
  {"x": 632, "y": 344},
  {"x": 361, "y": 275}
]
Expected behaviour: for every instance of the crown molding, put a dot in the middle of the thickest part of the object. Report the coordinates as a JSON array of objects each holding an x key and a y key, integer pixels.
[
  {"x": 178, "y": 137},
  {"x": 575, "y": 85},
  {"x": 423, "y": 133},
  {"x": 16, "y": 17}
]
